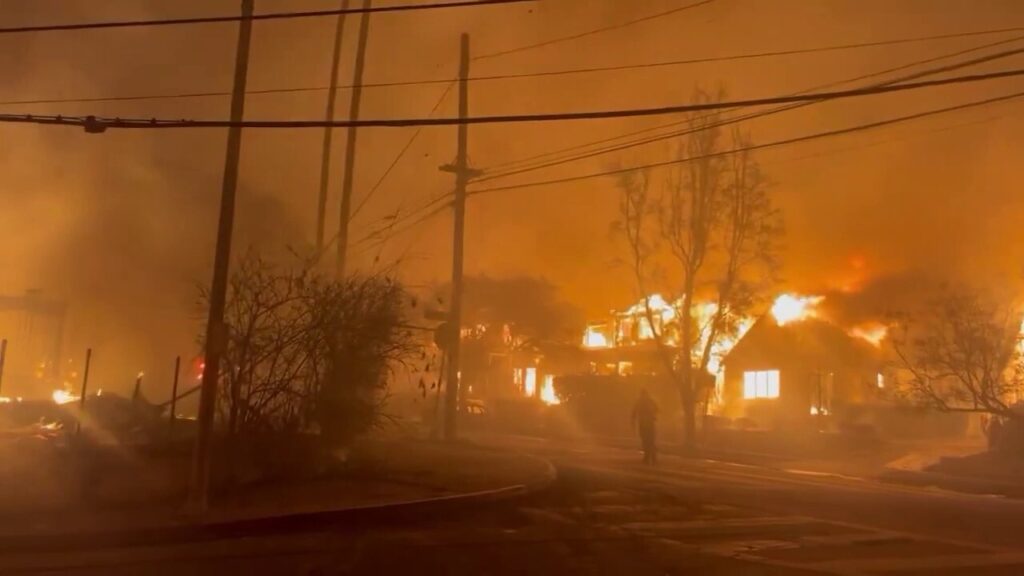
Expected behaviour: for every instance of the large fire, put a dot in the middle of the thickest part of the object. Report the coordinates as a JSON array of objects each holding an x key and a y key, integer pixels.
[
  {"x": 725, "y": 344},
  {"x": 594, "y": 337},
  {"x": 658, "y": 305},
  {"x": 63, "y": 397},
  {"x": 547, "y": 391},
  {"x": 653, "y": 310},
  {"x": 664, "y": 313},
  {"x": 873, "y": 333},
  {"x": 789, "y": 308}
]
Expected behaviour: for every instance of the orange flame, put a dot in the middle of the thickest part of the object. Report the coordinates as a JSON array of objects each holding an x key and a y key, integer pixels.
[
  {"x": 595, "y": 337},
  {"x": 789, "y": 308},
  {"x": 547, "y": 391},
  {"x": 874, "y": 334},
  {"x": 63, "y": 397}
]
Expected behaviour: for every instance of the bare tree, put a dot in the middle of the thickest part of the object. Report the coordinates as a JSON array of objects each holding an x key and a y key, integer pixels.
[
  {"x": 963, "y": 354},
  {"x": 708, "y": 235},
  {"x": 306, "y": 352}
]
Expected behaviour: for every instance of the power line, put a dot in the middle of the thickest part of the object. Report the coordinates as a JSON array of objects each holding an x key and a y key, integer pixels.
[
  {"x": 592, "y": 32},
  {"x": 777, "y": 143},
  {"x": 428, "y": 210},
  {"x": 255, "y": 17},
  {"x": 555, "y": 153},
  {"x": 904, "y": 138},
  {"x": 394, "y": 230},
  {"x": 565, "y": 156},
  {"x": 524, "y": 75},
  {"x": 919, "y": 74},
  {"x": 99, "y": 124},
  {"x": 398, "y": 158},
  {"x": 733, "y": 120}
]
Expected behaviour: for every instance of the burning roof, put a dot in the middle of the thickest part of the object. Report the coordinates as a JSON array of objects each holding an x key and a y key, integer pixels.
[
  {"x": 810, "y": 342},
  {"x": 656, "y": 317}
]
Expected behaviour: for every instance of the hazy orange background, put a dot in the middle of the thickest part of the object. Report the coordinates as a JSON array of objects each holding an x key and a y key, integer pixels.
[{"x": 121, "y": 224}]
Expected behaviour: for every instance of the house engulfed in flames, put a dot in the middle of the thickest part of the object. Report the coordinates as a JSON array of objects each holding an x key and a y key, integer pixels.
[
  {"x": 783, "y": 367},
  {"x": 793, "y": 365},
  {"x": 625, "y": 343}
]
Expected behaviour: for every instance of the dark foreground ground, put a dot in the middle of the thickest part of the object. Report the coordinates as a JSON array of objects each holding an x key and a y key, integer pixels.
[{"x": 607, "y": 514}]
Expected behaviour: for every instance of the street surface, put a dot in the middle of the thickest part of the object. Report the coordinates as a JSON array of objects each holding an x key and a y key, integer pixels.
[{"x": 609, "y": 514}]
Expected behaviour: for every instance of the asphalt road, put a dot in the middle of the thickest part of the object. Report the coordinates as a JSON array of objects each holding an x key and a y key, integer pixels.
[{"x": 609, "y": 514}]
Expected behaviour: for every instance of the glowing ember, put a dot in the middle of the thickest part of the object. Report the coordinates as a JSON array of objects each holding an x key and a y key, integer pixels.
[
  {"x": 872, "y": 333},
  {"x": 63, "y": 397},
  {"x": 789, "y": 308},
  {"x": 547, "y": 391}
]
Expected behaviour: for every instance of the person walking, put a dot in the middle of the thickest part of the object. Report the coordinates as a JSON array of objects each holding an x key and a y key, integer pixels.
[{"x": 645, "y": 416}]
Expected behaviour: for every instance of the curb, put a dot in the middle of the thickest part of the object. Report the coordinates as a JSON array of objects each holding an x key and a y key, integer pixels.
[
  {"x": 344, "y": 519},
  {"x": 950, "y": 482}
]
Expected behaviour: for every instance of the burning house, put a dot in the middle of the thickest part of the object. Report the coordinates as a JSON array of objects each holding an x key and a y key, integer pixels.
[
  {"x": 781, "y": 369},
  {"x": 501, "y": 365},
  {"x": 783, "y": 373}
]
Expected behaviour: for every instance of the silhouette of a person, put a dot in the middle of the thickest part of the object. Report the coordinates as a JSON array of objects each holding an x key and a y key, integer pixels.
[{"x": 645, "y": 416}]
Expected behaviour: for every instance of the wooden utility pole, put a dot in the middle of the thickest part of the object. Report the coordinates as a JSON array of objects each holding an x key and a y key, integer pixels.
[
  {"x": 325, "y": 159},
  {"x": 462, "y": 173},
  {"x": 3, "y": 360},
  {"x": 138, "y": 387},
  {"x": 216, "y": 332},
  {"x": 85, "y": 389},
  {"x": 174, "y": 393},
  {"x": 350, "y": 145}
]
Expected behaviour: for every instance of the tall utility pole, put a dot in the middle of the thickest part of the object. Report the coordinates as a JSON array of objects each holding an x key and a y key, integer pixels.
[
  {"x": 462, "y": 173},
  {"x": 325, "y": 160},
  {"x": 216, "y": 331},
  {"x": 350, "y": 145},
  {"x": 174, "y": 393},
  {"x": 3, "y": 359}
]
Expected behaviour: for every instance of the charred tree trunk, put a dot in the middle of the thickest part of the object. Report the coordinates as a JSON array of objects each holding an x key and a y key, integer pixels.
[{"x": 687, "y": 396}]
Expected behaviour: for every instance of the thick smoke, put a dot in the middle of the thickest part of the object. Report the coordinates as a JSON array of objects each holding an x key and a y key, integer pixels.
[{"x": 121, "y": 224}]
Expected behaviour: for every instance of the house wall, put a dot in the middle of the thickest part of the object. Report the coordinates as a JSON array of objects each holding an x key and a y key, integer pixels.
[{"x": 800, "y": 389}]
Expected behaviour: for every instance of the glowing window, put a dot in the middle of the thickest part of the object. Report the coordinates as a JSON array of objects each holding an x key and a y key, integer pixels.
[
  {"x": 881, "y": 380},
  {"x": 530, "y": 382},
  {"x": 761, "y": 384}
]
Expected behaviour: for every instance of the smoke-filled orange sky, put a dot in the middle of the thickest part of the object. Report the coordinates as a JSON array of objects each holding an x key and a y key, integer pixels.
[{"x": 122, "y": 224}]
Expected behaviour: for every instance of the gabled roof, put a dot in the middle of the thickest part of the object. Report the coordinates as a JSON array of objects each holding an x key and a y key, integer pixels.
[{"x": 811, "y": 342}]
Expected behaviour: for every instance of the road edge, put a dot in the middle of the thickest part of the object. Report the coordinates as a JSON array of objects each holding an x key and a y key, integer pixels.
[{"x": 342, "y": 519}]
